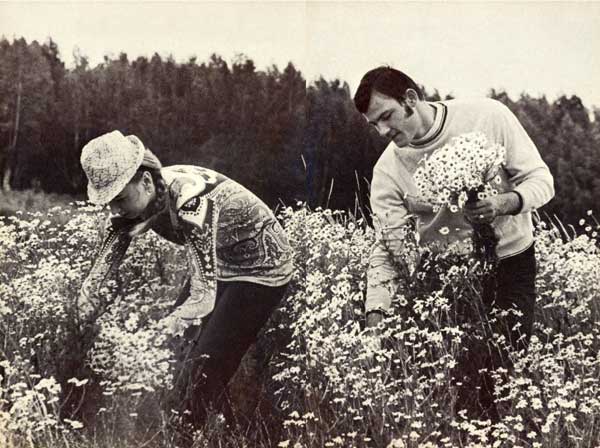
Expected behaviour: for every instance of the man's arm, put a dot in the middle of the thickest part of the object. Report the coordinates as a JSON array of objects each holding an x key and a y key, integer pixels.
[
  {"x": 527, "y": 170},
  {"x": 387, "y": 257},
  {"x": 532, "y": 180}
]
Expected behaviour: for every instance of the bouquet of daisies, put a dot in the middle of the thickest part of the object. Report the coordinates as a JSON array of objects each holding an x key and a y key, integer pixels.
[
  {"x": 460, "y": 172},
  {"x": 453, "y": 172}
]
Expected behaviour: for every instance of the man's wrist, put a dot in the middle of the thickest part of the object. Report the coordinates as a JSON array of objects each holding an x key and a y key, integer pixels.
[
  {"x": 519, "y": 206},
  {"x": 510, "y": 203}
]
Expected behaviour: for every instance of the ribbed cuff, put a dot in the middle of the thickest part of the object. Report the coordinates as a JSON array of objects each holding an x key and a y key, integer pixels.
[
  {"x": 377, "y": 310},
  {"x": 520, "y": 207}
]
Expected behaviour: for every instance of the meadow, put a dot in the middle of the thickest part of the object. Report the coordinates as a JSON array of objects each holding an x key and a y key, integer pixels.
[{"x": 315, "y": 378}]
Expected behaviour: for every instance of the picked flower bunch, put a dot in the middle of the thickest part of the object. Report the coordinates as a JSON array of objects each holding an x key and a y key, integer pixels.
[{"x": 459, "y": 171}]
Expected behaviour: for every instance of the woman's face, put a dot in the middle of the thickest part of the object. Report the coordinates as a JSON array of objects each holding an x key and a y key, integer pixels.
[{"x": 131, "y": 202}]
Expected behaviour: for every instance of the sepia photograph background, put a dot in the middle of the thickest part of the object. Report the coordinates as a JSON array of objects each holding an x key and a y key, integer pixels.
[{"x": 262, "y": 92}]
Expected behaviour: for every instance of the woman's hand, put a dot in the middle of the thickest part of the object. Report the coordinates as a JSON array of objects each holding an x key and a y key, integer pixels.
[
  {"x": 85, "y": 305},
  {"x": 173, "y": 325}
]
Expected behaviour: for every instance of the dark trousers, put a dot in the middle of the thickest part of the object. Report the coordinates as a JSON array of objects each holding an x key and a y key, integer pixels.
[
  {"x": 513, "y": 288},
  {"x": 215, "y": 352},
  {"x": 510, "y": 289}
]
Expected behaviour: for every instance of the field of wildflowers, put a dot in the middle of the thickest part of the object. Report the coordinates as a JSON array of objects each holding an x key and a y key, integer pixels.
[{"x": 316, "y": 378}]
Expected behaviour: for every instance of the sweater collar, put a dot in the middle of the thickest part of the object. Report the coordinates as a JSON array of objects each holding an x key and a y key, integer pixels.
[{"x": 441, "y": 112}]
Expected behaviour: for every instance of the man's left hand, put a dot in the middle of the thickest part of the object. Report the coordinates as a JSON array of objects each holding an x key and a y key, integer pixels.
[{"x": 486, "y": 210}]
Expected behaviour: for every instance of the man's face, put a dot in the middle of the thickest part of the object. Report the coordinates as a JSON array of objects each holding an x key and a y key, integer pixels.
[
  {"x": 392, "y": 119},
  {"x": 131, "y": 202}
]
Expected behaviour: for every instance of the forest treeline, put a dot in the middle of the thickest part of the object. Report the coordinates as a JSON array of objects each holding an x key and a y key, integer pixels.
[{"x": 267, "y": 129}]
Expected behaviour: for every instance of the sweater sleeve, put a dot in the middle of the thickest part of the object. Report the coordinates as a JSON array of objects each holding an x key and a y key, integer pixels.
[
  {"x": 526, "y": 169},
  {"x": 198, "y": 221},
  {"x": 111, "y": 253},
  {"x": 390, "y": 217}
]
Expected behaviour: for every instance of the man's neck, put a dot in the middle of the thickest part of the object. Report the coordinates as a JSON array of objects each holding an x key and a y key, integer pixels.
[{"x": 428, "y": 114}]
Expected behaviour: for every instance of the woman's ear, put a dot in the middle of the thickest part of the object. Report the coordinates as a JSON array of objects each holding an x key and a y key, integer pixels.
[{"x": 148, "y": 182}]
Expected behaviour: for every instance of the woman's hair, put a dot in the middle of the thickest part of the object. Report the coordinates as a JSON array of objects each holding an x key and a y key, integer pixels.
[{"x": 160, "y": 200}]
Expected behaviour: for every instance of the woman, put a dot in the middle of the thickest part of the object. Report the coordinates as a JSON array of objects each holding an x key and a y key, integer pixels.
[{"x": 238, "y": 256}]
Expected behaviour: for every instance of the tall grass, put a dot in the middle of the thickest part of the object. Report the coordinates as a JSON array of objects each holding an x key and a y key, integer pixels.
[
  {"x": 32, "y": 201},
  {"x": 315, "y": 378}
]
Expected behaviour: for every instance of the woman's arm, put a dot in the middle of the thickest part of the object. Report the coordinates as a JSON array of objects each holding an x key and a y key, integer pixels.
[
  {"x": 109, "y": 258},
  {"x": 197, "y": 218}
]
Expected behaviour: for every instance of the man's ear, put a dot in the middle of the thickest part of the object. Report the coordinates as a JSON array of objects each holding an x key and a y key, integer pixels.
[{"x": 412, "y": 98}]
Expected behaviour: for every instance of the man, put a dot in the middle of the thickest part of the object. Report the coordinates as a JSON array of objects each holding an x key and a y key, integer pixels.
[{"x": 393, "y": 103}]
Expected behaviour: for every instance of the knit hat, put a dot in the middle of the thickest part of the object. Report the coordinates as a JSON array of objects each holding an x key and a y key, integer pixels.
[{"x": 110, "y": 162}]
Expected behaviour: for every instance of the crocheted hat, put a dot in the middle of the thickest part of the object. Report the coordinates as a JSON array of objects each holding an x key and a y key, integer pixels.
[{"x": 109, "y": 162}]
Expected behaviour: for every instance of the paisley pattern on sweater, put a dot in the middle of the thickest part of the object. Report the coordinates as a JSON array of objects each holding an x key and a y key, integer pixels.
[
  {"x": 250, "y": 244},
  {"x": 250, "y": 240},
  {"x": 229, "y": 234},
  {"x": 186, "y": 182},
  {"x": 198, "y": 228},
  {"x": 198, "y": 223}
]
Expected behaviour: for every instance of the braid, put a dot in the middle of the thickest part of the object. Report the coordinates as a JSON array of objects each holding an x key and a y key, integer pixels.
[
  {"x": 160, "y": 201},
  {"x": 161, "y": 190}
]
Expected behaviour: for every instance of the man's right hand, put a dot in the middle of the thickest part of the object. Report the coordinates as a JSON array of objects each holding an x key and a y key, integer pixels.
[
  {"x": 372, "y": 332},
  {"x": 374, "y": 317}
]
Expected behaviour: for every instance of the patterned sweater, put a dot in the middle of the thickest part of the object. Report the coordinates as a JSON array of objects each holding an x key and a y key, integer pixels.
[{"x": 228, "y": 232}]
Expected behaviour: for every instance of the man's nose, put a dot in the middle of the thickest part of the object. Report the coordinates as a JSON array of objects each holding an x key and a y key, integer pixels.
[{"x": 382, "y": 129}]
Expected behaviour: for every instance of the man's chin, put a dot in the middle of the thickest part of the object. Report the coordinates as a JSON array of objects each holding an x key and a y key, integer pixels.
[{"x": 400, "y": 141}]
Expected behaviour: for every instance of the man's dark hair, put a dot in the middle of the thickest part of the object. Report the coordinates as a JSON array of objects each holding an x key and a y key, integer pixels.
[{"x": 386, "y": 80}]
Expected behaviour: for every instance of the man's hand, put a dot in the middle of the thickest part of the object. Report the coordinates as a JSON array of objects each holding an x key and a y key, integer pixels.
[
  {"x": 374, "y": 317},
  {"x": 485, "y": 211},
  {"x": 371, "y": 336}
]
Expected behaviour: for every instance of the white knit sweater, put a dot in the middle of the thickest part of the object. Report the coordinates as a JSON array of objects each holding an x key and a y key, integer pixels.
[{"x": 395, "y": 197}]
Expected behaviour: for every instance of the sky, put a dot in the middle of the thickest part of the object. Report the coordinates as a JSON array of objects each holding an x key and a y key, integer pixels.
[{"x": 461, "y": 48}]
